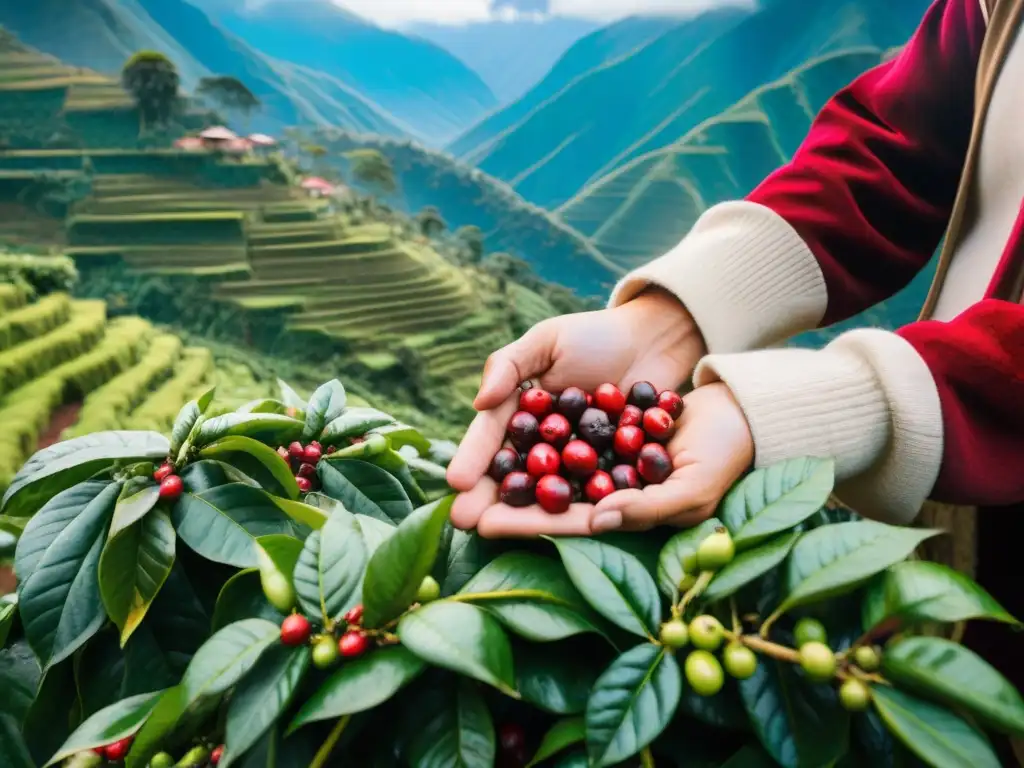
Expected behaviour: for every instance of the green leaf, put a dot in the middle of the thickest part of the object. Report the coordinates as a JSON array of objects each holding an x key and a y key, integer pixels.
[
  {"x": 60, "y": 602},
  {"x": 168, "y": 710},
  {"x": 19, "y": 680},
  {"x": 775, "y": 499},
  {"x": 633, "y": 701},
  {"x": 264, "y": 405},
  {"x": 278, "y": 552},
  {"x": 933, "y": 733},
  {"x": 553, "y": 609},
  {"x": 395, "y": 571},
  {"x": 262, "y": 697},
  {"x": 303, "y": 512},
  {"x": 13, "y": 752},
  {"x": 138, "y": 496},
  {"x": 227, "y": 656},
  {"x": 187, "y": 418},
  {"x": 270, "y": 428},
  {"x": 920, "y": 591},
  {"x": 400, "y": 435},
  {"x": 459, "y": 735},
  {"x": 750, "y": 757},
  {"x": 326, "y": 404},
  {"x": 467, "y": 554},
  {"x": 221, "y": 523},
  {"x": 111, "y": 724},
  {"x": 749, "y": 565},
  {"x": 354, "y": 422},
  {"x": 614, "y": 583},
  {"x": 8, "y": 543},
  {"x": 393, "y": 463},
  {"x": 798, "y": 728},
  {"x": 361, "y": 685},
  {"x": 677, "y": 549},
  {"x": 329, "y": 571},
  {"x": 461, "y": 638},
  {"x": 562, "y": 735},
  {"x": 8, "y": 610},
  {"x": 290, "y": 397},
  {"x": 365, "y": 489},
  {"x": 69, "y": 462},
  {"x": 946, "y": 671},
  {"x": 724, "y": 710},
  {"x": 242, "y": 597},
  {"x": 834, "y": 559},
  {"x": 243, "y": 452},
  {"x": 554, "y": 678},
  {"x": 133, "y": 567}
]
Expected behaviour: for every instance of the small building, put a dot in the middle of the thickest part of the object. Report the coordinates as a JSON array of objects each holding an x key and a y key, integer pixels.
[
  {"x": 317, "y": 187},
  {"x": 237, "y": 146},
  {"x": 262, "y": 141},
  {"x": 190, "y": 144},
  {"x": 217, "y": 136}
]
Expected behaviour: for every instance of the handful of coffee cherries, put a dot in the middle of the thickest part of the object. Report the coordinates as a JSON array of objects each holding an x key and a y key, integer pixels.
[{"x": 577, "y": 445}]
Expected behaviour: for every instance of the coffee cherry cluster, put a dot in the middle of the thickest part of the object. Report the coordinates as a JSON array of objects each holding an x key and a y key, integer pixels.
[
  {"x": 198, "y": 756},
  {"x": 171, "y": 485},
  {"x": 578, "y": 446},
  {"x": 303, "y": 460}
]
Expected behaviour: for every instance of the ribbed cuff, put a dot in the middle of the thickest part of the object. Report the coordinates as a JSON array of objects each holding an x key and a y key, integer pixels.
[
  {"x": 867, "y": 400},
  {"x": 743, "y": 273}
]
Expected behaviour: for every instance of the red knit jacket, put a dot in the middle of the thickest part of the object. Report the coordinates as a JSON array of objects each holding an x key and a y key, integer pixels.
[{"x": 870, "y": 191}]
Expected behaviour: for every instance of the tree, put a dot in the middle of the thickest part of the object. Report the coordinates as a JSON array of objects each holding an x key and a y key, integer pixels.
[
  {"x": 371, "y": 167},
  {"x": 230, "y": 93},
  {"x": 431, "y": 222},
  {"x": 152, "y": 80},
  {"x": 472, "y": 240}
]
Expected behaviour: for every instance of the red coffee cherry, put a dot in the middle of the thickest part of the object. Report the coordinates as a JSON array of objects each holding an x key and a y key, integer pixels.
[
  {"x": 543, "y": 459},
  {"x": 598, "y": 486},
  {"x": 625, "y": 476},
  {"x": 671, "y": 403},
  {"x": 658, "y": 424},
  {"x": 164, "y": 470},
  {"x": 654, "y": 464},
  {"x": 171, "y": 488},
  {"x": 556, "y": 429},
  {"x": 628, "y": 441},
  {"x": 295, "y": 630},
  {"x": 579, "y": 458},
  {"x": 631, "y": 416},
  {"x": 610, "y": 399},
  {"x": 554, "y": 494},
  {"x": 537, "y": 402}
]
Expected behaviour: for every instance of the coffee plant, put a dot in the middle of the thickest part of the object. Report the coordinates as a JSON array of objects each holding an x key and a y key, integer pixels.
[{"x": 181, "y": 602}]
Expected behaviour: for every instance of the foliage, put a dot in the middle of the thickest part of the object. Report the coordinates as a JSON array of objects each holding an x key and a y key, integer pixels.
[
  {"x": 152, "y": 80},
  {"x": 229, "y": 92},
  {"x": 152, "y": 618},
  {"x": 431, "y": 222},
  {"x": 373, "y": 168},
  {"x": 38, "y": 275}
]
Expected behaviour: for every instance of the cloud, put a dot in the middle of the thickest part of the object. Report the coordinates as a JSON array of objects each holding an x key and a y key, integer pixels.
[
  {"x": 396, "y": 13},
  {"x": 609, "y": 10}
]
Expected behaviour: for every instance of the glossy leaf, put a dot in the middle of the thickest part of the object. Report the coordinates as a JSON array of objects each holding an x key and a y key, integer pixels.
[
  {"x": 326, "y": 404},
  {"x": 401, "y": 435},
  {"x": 19, "y": 680},
  {"x": 459, "y": 734},
  {"x": 278, "y": 552},
  {"x": 232, "y": 450},
  {"x": 750, "y": 565},
  {"x": 678, "y": 548},
  {"x": 725, "y": 710},
  {"x": 462, "y": 638},
  {"x": 60, "y": 604},
  {"x": 395, "y": 571},
  {"x": 614, "y": 583},
  {"x": 8, "y": 610},
  {"x": 133, "y": 567},
  {"x": 270, "y": 428},
  {"x": 365, "y": 489},
  {"x": 795, "y": 726},
  {"x": 940, "y": 669},
  {"x": 354, "y": 422},
  {"x": 467, "y": 553},
  {"x": 115, "y": 722},
  {"x": 13, "y": 752},
  {"x": 553, "y": 678},
  {"x": 138, "y": 496},
  {"x": 302, "y": 512},
  {"x": 553, "y": 610},
  {"x": 167, "y": 711},
  {"x": 264, "y": 405},
  {"x": 69, "y": 462},
  {"x": 227, "y": 656},
  {"x": 921, "y": 591},
  {"x": 775, "y": 499},
  {"x": 222, "y": 523},
  {"x": 750, "y": 757},
  {"x": 632, "y": 702},
  {"x": 560, "y": 736},
  {"x": 360, "y": 685},
  {"x": 49, "y": 522},
  {"x": 187, "y": 418},
  {"x": 329, "y": 571},
  {"x": 393, "y": 463},
  {"x": 262, "y": 697},
  {"x": 242, "y": 597},
  {"x": 838, "y": 558},
  {"x": 289, "y": 396},
  {"x": 933, "y": 733}
]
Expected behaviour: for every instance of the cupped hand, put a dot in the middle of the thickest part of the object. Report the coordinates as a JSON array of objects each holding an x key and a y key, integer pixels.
[
  {"x": 651, "y": 338},
  {"x": 710, "y": 451}
]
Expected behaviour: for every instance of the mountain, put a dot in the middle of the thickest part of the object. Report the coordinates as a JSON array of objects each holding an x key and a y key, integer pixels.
[
  {"x": 656, "y": 93},
  {"x": 102, "y": 34},
  {"x": 510, "y": 56},
  {"x": 431, "y": 92}
]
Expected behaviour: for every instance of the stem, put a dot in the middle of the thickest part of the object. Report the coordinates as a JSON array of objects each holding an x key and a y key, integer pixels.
[
  {"x": 646, "y": 758},
  {"x": 766, "y": 648},
  {"x": 694, "y": 592},
  {"x": 737, "y": 626},
  {"x": 330, "y": 743},
  {"x": 766, "y": 627}
]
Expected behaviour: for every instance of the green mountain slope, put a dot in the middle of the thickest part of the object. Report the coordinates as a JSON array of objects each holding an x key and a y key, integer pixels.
[
  {"x": 424, "y": 86},
  {"x": 467, "y": 196},
  {"x": 650, "y": 97},
  {"x": 101, "y": 34}
]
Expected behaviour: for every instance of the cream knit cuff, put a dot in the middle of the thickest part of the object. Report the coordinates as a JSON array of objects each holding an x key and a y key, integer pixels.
[
  {"x": 743, "y": 273},
  {"x": 866, "y": 400}
]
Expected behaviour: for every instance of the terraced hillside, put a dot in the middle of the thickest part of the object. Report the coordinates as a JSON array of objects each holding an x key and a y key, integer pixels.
[{"x": 58, "y": 354}]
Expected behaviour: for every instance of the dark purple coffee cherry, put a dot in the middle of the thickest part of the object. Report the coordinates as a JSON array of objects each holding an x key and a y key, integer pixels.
[
  {"x": 572, "y": 403},
  {"x": 505, "y": 461},
  {"x": 596, "y": 428},
  {"x": 523, "y": 431},
  {"x": 643, "y": 395},
  {"x": 517, "y": 489}
]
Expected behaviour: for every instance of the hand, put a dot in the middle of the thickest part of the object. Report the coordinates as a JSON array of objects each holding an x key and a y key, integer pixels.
[
  {"x": 710, "y": 451},
  {"x": 651, "y": 338}
]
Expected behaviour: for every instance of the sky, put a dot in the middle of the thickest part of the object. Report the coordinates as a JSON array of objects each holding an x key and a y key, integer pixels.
[{"x": 398, "y": 13}]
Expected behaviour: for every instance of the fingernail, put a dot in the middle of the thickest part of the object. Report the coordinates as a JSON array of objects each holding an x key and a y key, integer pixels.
[{"x": 609, "y": 520}]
